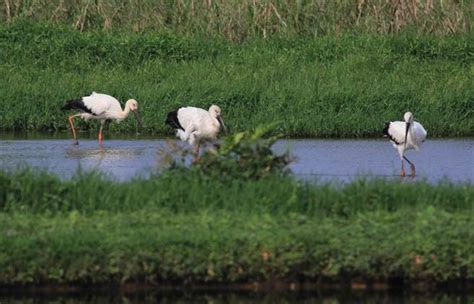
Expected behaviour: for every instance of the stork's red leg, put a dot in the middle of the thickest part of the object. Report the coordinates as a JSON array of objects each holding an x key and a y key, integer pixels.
[
  {"x": 413, "y": 171},
  {"x": 100, "y": 135},
  {"x": 196, "y": 153},
  {"x": 402, "y": 173},
  {"x": 71, "y": 122},
  {"x": 412, "y": 167}
]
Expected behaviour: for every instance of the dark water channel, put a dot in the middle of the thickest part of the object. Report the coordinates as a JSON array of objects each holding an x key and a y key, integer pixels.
[
  {"x": 315, "y": 159},
  {"x": 306, "y": 297}
]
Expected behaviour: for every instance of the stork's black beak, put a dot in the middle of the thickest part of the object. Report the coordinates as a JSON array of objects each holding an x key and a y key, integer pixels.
[
  {"x": 406, "y": 133},
  {"x": 138, "y": 118},
  {"x": 221, "y": 122}
]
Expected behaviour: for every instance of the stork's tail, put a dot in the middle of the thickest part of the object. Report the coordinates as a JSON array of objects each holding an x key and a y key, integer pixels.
[
  {"x": 385, "y": 129},
  {"x": 75, "y": 104},
  {"x": 182, "y": 135},
  {"x": 173, "y": 121}
]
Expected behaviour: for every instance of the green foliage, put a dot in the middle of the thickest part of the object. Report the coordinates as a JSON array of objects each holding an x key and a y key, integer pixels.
[
  {"x": 190, "y": 191},
  {"x": 333, "y": 86},
  {"x": 235, "y": 216},
  {"x": 187, "y": 227},
  {"x": 156, "y": 246},
  {"x": 47, "y": 45},
  {"x": 246, "y": 155}
]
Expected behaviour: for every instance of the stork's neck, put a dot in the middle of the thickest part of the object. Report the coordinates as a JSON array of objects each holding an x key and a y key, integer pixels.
[
  {"x": 215, "y": 122},
  {"x": 125, "y": 111},
  {"x": 411, "y": 131}
]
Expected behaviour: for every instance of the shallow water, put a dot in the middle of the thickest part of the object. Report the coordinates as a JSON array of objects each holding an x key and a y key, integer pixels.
[
  {"x": 315, "y": 159},
  {"x": 438, "y": 159}
]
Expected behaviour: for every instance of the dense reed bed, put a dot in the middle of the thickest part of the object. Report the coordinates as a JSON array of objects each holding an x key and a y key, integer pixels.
[
  {"x": 332, "y": 86},
  {"x": 238, "y": 20},
  {"x": 190, "y": 228}
]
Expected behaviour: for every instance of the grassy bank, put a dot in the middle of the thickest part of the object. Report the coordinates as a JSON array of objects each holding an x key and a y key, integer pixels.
[
  {"x": 331, "y": 86},
  {"x": 192, "y": 228}
]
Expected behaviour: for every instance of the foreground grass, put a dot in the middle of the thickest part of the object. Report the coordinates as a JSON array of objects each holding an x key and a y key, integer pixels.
[
  {"x": 163, "y": 247},
  {"x": 330, "y": 86},
  {"x": 189, "y": 228}
]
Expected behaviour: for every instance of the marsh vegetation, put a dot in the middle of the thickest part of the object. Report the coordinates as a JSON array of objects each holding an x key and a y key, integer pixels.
[
  {"x": 331, "y": 86},
  {"x": 248, "y": 223}
]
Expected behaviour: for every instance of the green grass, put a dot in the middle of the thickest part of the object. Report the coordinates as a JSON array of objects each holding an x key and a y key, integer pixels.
[
  {"x": 333, "y": 86},
  {"x": 185, "y": 227},
  {"x": 165, "y": 247},
  {"x": 189, "y": 192}
]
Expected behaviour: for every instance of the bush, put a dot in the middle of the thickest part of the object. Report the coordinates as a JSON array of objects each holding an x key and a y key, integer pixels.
[{"x": 243, "y": 155}]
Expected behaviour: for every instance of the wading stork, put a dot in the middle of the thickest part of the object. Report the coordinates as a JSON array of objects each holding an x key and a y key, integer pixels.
[
  {"x": 405, "y": 135},
  {"x": 196, "y": 125},
  {"x": 101, "y": 107}
]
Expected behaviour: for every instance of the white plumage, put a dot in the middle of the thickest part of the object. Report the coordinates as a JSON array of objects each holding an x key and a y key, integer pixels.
[
  {"x": 101, "y": 107},
  {"x": 405, "y": 135},
  {"x": 196, "y": 125}
]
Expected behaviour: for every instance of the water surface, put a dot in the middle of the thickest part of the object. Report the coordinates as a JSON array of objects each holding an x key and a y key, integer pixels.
[
  {"x": 183, "y": 297},
  {"x": 438, "y": 159},
  {"x": 315, "y": 159}
]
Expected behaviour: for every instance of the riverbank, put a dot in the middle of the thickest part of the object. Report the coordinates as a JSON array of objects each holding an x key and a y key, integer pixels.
[
  {"x": 331, "y": 86},
  {"x": 194, "y": 229}
]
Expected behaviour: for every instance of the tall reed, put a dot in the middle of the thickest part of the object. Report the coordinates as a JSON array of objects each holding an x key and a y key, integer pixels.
[{"x": 237, "y": 20}]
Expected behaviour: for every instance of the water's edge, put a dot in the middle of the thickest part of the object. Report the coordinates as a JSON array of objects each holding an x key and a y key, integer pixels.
[{"x": 315, "y": 159}]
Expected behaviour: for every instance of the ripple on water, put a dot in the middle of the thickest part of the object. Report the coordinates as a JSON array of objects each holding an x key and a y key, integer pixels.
[{"x": 315, "y": 159}]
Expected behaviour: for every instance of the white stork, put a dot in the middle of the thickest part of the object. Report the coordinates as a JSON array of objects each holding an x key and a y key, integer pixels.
[
  {"x": 405, "y": 135},
  {"x": 196, "y": 125},
  {"x": 101, "y": 107}
]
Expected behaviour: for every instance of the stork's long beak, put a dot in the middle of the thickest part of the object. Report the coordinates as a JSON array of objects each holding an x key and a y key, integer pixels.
[
  {"x": 221, "y": 122},
  {"x": 138, "y": 118},
  {"x": 406, "y": 133}
]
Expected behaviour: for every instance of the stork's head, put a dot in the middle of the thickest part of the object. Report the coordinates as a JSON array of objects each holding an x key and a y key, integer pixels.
[
  {"x": 215, "y": 112},
  {"x": 133, "y": 105}
]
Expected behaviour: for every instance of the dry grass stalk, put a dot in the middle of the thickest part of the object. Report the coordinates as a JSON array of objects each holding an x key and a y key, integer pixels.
[
  {"x": 237, "y": 20},
  {"x": 7, "y": 10}
]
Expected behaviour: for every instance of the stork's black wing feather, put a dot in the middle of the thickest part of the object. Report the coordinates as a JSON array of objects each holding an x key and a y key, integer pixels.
[
  {"x": 76, "y": 104},
  {"x": 386, "y": 132},
  {"x": 173, "y": 121}
]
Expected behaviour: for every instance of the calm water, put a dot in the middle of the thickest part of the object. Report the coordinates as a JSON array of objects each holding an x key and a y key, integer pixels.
[
  {"x": 246, "y": 297},
  {"x": 315, "y": 159}
]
